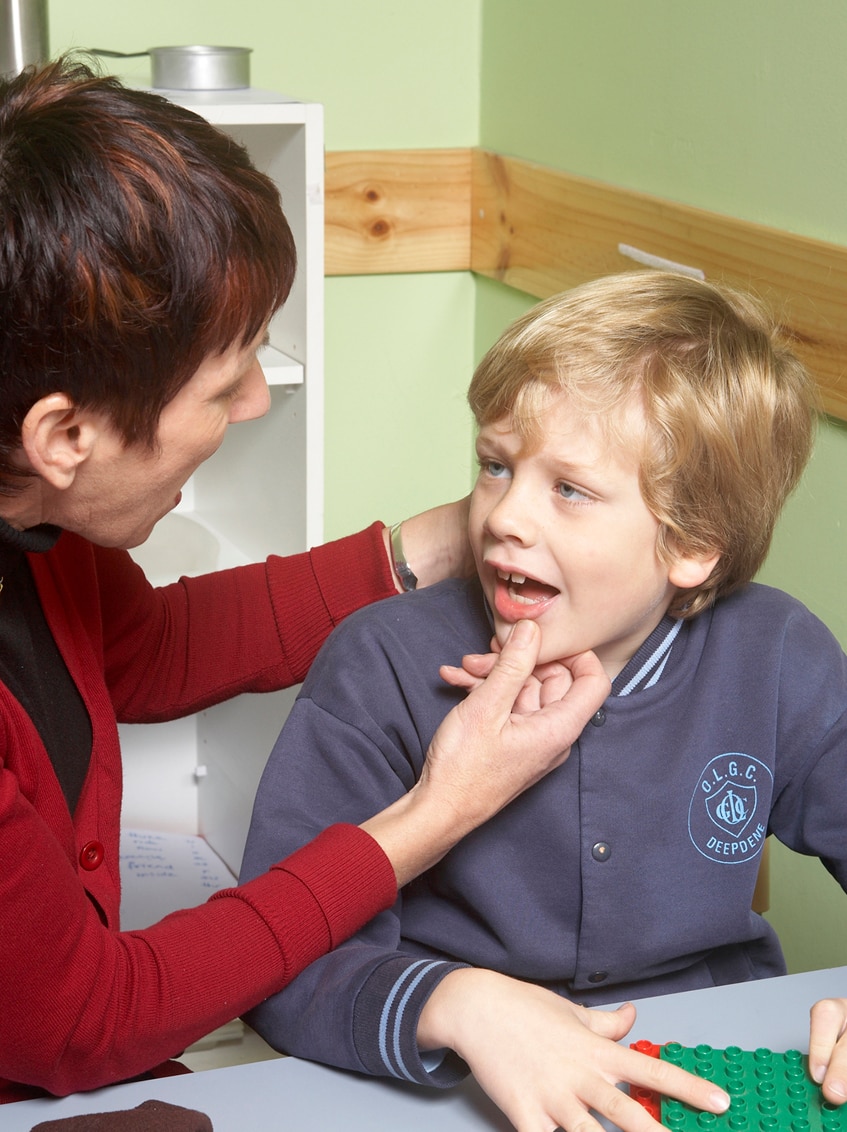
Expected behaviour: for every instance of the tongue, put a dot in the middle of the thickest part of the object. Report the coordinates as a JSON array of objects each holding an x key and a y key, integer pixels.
[{"x": 534, "y": 591}]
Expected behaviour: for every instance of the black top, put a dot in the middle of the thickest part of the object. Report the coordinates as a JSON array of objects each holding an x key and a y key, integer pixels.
[{"x": 32, "y": 667}]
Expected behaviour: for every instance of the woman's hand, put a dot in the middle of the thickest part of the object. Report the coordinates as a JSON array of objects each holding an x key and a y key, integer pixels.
[
  {"x": 546, "y": 683},
  {"x": 828, "y": 1048},
  {"x": 487, "y": 751},
  {"x": 546, "y": 1061}
]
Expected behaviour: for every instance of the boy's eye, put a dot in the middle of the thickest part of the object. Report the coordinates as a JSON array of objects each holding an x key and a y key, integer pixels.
[
  {"x": 568, "y": 491},
  {"x": 494, "y": 468}
]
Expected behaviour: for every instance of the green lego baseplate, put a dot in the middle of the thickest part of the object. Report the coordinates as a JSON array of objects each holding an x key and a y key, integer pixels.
[{"x": 770, "y": 1092}]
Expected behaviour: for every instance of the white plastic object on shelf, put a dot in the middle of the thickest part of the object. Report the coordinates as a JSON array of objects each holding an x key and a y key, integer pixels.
[{"x": 278, "y": 368}]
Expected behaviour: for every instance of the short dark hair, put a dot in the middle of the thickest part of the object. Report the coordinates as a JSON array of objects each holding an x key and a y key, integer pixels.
[{"x": 137, "y": 240}]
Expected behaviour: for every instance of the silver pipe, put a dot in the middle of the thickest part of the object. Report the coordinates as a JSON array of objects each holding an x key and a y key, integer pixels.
[{"x": 24, "y": 34}]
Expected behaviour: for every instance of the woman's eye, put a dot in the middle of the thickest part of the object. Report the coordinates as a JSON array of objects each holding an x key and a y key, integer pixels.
[{"x": 232, "y": 394}]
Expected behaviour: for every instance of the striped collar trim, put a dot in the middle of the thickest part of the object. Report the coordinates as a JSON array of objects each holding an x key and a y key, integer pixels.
[{"x": 647, "y": 665}]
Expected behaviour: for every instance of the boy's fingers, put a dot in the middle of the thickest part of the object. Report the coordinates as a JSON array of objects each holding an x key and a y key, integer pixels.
[
  {"x": 612, "y": 1024},
  {"x": 828, "y": 1048},
  {"x": 835, "y": 1083},
  {"x": 671, "y": 1081}
]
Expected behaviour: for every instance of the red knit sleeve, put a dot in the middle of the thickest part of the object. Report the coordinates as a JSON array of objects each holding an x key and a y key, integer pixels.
[
  {"x": 83, "y": 1006},
  {"x": 313, "y": 594},
  {"x": 172, "y": 651}
]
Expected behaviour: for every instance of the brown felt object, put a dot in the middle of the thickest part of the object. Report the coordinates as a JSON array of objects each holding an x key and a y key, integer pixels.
[{"x": 152, "y": 1116}]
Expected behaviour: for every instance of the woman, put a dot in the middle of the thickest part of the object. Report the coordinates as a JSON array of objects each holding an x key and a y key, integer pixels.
[{"x": 142, "y": 258}]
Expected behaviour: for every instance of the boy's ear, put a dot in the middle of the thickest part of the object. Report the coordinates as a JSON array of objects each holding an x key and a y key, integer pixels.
[
  {"x": 57, "y": 438},
  {"x": 689, "y": 570}
]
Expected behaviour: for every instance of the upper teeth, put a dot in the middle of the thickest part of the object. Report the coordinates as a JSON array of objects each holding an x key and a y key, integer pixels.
[{"x": 518, "y": 579}]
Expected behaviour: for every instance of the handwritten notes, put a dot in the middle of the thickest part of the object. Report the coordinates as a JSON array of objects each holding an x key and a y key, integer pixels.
[{"x": 163, "y": 872}]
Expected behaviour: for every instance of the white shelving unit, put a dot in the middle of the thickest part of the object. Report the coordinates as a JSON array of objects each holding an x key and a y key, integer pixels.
[{"x": 260, "y": 494}]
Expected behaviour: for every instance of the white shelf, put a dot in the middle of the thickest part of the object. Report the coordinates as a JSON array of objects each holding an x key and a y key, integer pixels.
[
  {"x": 260, "y": 494},
  {"x": 248, "y": 105},
  {"x": 279, "y": 368}
]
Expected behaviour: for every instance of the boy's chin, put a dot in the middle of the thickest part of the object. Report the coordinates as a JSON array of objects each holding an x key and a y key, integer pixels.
[{"x": 503, "y": 631}]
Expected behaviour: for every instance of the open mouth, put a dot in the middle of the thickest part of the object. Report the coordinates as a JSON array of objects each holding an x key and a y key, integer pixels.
[{"x": 523, "y": 590}]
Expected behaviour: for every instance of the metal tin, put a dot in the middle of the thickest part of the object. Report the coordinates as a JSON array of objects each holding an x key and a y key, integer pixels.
[{"x": 200, "y": 68}]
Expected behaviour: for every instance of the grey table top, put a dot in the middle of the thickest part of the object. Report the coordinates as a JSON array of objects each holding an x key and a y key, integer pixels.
[{"x": 290, "y": 1094}]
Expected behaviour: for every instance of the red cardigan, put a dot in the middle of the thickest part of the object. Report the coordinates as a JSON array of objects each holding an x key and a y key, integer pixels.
[{"x": 81, "y": 1003}]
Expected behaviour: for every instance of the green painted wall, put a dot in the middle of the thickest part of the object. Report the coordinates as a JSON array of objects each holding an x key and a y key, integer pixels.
[
  {"x": 737, "y": 107},
  {"x": 734, "y": 105},
  {"x": 398, "y": 363}
]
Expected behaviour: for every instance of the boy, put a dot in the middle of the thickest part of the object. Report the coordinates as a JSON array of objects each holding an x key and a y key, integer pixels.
[{"x": 637, "y": 439}]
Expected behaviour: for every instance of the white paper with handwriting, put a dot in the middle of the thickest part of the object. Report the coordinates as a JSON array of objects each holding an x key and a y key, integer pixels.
[{"x": 163, "y": 872}]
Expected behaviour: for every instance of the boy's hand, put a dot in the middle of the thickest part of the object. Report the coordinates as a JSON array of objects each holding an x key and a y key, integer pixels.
[
  {"x": 828, "y": 1048},
  {"x": 546, "y": 1061}
]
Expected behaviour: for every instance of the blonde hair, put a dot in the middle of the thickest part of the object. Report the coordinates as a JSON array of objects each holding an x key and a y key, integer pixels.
[{"x": 730, "y": 411}]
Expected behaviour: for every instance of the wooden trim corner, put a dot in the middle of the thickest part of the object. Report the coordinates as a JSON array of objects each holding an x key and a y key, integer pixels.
[{"x": 542, "y": 230}]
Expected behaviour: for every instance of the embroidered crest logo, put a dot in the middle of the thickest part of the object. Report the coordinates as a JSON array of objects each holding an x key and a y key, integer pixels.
[{"x": 728, "y": 815}]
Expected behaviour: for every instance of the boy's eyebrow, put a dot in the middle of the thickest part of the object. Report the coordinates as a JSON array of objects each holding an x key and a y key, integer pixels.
[
  {"x": 588, "y": 473},
  {"x": 488, "y": 434}
]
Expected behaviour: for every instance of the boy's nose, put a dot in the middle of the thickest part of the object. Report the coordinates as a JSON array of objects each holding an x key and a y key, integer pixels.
[{"x": 512, "y": 519}]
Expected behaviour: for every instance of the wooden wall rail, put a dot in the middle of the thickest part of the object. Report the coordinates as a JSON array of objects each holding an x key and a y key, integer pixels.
[
  {"x": 542, "y": 231},
  {"x": 398, "y": 211}
]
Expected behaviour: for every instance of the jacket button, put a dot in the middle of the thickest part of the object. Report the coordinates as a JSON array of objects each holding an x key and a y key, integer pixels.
[
  {"x": 91, "y": 855},
  {"x": 601, "y": 851},
  {"x": 599, "y": 718},
  {"x": 598, "y": 977}
]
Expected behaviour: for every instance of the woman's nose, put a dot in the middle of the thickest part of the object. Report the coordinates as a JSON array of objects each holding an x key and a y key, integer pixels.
[{"x": 254, "y": 399}]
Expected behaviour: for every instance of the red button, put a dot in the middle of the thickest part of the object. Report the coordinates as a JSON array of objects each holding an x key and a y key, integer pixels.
[{"x": 91, "y": 855}]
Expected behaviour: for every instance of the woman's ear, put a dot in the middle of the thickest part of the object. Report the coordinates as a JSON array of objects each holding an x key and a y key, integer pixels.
[
  {"x": 57, "y": 438},
  {"x": 689, "y": 570}
]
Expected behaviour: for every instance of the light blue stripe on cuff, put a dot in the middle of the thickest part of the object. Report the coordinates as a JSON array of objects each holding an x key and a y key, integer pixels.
[{"x": 401, "y": 1070}]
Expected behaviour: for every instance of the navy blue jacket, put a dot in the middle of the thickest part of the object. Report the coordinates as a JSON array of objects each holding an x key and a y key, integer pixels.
[{"x": 629, "y": 871}]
